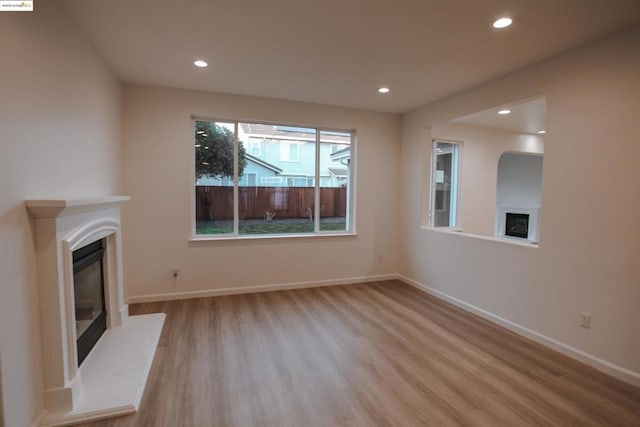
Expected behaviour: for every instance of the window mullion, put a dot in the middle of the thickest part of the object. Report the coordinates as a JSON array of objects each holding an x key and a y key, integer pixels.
[
  {"x": 316, "y": 193},
  {"x": 236, "y": 208}
]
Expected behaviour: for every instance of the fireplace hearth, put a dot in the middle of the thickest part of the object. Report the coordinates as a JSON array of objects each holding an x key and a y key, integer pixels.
[{"x": 96, "y": 358}]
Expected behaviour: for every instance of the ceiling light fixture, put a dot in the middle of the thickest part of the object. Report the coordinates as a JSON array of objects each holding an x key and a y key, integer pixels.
[
  {"x": 504, "y": 112},
  {"x": 198, "y": 145},
  {"x": 542, "y": 132},
  {"x": 200, "y": 63},
  {"x": 200, "y": 132},
  {"x": 383, "y": 90},
  {"x": 503, "y": 22}
]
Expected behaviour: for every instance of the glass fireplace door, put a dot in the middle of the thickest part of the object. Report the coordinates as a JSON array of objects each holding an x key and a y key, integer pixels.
[{"x": 88, "y": 279}]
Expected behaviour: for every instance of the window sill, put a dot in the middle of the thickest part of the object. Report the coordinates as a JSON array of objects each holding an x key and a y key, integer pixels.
[
  {"x": 253, "y": 237},
  {"x": 505, "y": 240}
]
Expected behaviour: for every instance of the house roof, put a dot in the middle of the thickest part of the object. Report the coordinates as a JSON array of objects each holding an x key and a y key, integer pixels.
[
  {"x": 341, "y": 154},
  {"x": 294, "y": 133},
  {"x": 339, "y": 172},
  {"x": 262, "y": 163}
]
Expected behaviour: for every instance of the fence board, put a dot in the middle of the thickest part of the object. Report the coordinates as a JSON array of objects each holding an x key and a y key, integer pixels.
[{"x": 216, "y": 203}]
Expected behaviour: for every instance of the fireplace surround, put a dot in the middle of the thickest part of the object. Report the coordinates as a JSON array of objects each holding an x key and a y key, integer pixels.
[{"x": 111, "y": 379}]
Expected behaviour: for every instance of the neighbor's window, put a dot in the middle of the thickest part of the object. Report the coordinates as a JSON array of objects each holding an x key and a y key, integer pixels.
[
  {"x": 444, "y": 184},
  {"x": 289, "y": 151},
  {"x": 255, "y": 147},
  {"x": 300, "y": 184}
]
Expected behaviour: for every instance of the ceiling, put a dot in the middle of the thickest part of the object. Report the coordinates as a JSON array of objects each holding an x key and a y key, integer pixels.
[
  {"x": 338, "y": 52},
  {"x": 526, "y": 116}
]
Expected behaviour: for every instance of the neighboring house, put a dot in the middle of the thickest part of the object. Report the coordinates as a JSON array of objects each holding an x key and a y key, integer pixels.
[{"x": 284, "y": 156}]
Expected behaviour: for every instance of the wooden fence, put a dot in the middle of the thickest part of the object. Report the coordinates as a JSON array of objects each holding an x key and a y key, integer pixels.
[{"x": 216, "y": 203}]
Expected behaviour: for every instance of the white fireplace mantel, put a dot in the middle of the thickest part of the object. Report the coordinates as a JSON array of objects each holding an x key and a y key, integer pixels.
[
  {"x": 51, "y": 208},
  {"x": 111, "y": 379}
]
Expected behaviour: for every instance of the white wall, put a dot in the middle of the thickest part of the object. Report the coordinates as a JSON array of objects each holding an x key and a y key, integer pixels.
[
  {"x": 590, "y": 239},
  {"x": 519, "y": 180},
  {"x": 59, "y": 136},
  {"x": 158, "y": 136},
  {"x": 481, "y": 151}
]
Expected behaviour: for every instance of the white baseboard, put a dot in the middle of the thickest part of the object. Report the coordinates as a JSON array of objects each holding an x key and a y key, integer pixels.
[
  {"x": 253, "y": 289},
  {"x": 616, "y": 371},
  {"x": 600, "y": 364}
]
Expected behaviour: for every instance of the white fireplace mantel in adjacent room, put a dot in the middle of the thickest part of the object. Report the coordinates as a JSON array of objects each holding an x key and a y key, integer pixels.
[{"x": 111, "y": 379}]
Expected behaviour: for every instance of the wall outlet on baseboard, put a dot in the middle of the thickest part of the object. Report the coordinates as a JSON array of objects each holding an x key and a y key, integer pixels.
[{"x": 585, "y": 320}]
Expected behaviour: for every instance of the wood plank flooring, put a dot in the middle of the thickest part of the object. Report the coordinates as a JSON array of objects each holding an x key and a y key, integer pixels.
[{"x": 376, "y": 354}]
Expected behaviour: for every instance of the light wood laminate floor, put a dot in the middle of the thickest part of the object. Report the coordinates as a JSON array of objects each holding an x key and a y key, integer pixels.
[{"x": 374, "y": 354}]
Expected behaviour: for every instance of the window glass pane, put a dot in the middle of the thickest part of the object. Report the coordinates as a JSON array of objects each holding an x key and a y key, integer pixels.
[
  {"x": 281, "y": 202},
  {"x": 335, "y": 172},
  {"x": 214, "y": 164},
  {"x": 444, "y": 190}
]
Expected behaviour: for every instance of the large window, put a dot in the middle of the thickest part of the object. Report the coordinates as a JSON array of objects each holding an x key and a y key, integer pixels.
[
  {"x": 300, "y": 184},
  {"x": 443, "y": 201}
]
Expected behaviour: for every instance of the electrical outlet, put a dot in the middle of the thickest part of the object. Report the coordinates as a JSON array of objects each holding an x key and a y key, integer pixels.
[{"x": 585, "y": 320}]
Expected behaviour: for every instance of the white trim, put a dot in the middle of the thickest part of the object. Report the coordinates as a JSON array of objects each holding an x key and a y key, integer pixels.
[
  {"x": 171, "y": 296},
  {"x": 94, "y": 416},
  {"x": 454, "y": 205},
  {"x": 609, "y": 368},
  {"x": 235, "y": 183},
  {"x": 38, "y": 421},
  {"x": 316, "y": 186},
  {"x": 204, "y": 238},
  {"x": 53, "y": 208},
  {"x": 460, "y": 232}
]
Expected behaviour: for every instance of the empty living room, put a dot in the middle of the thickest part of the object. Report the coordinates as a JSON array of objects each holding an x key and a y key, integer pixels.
[{"x": 319, "y": 213}]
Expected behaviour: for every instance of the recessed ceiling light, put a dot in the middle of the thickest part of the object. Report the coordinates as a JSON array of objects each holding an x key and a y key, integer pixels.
[
  {"x": 204, "y": 135},
  {"x": 200, "y": 63},
  {"x": 503, "y": 22},
  {"x": 198, "y": 145},
  {"x": 205, "y": 163},
  {"x": 542, "y": 132},
  {"x": 383, "y": 90},
  {"x": 200, "y": 132},
  {"x": 504, "y": 112}
]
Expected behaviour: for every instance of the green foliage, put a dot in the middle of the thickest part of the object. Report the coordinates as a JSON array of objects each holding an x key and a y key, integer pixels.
[{"x": 214, "y": 151}]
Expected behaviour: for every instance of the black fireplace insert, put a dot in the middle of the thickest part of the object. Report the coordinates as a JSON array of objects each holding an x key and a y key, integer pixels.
[
  {"x": 88, "y": 289},
  {"x": 517, "y": 225}
]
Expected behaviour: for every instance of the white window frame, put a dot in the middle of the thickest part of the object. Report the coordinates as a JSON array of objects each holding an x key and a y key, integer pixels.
[
  {"x": 454, "y": 210},
  {"x": 351, "y": 188}
]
